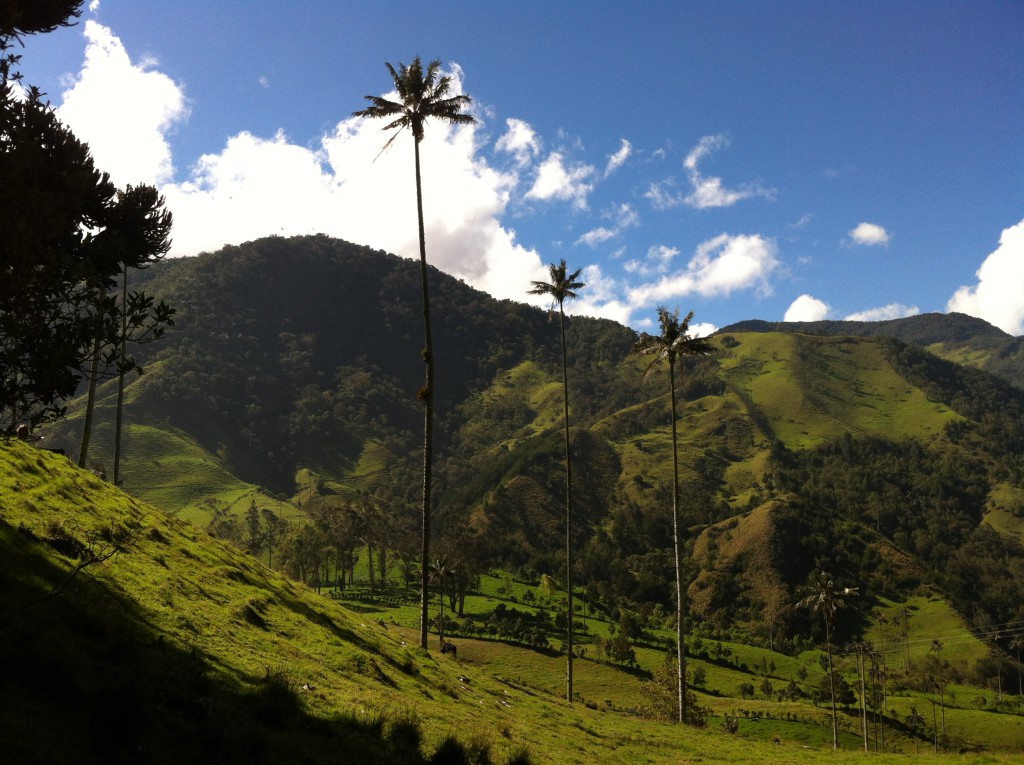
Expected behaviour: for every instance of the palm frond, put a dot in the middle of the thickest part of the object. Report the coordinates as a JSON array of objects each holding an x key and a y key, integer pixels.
[
  {"x": 423, "y": 95},
  {"x": 561, "y": 286},
  {"x": 673, "y": 342}
]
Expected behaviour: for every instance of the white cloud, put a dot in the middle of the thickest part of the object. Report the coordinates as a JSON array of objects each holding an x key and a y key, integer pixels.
[
  {"x": 884, "y": 313},
  {"x": 618, "y": 159},
  {"x": 806, "y": 308},
  {"x": 520, "y": 141},
  {"x": 869, "y": 234},
  {"x": 709, "y": 191},
  {"x": 661, "y": 196},
  {"x": 600, "y": 297},
  {"x": 557, "y": 181},
  {"x": 718, "y": 267},
  {"x": 624, "y": 216},
  {"x": 123, "y": 111},
  {"x": 998, "y": 297},
  {"x": 255, "y": 186},
  {"x": 704, "y": 329},
  {"x": 597, "y": 235}
]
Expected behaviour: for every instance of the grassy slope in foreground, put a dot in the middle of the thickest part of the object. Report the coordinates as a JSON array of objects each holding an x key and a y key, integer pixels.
[{"x": 181, "y": 649}]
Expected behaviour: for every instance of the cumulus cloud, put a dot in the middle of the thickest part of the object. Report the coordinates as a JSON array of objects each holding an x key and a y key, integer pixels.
[
  {"x": 601, "y": 297},
  {"x": 659, "y": 258},
  {"x": 597, "y": 235},
  {"x": 710, "y": 191},
  {"x": 114, "y": 104},
  {"x": 618, "y": 159},
  {"x": 255, "y": 186},
  {"x": 719, "y": 267},
  {"x": 806, "y": 308},
  {"x": 520, "y": 141},
  {"x": 869, "y": 234},
  {"x": 557, "y": 180},
  {"x": 342, "y": 185},
  {"x": 884, "y": 313},
  {"x": 703, "y": 329},
  {"x": 998, "y": 297}
]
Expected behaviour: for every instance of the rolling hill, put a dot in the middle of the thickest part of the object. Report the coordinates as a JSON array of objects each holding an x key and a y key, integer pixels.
[
  {"x": 289, "y": 383},
  {"x": 143, "y": 639}
]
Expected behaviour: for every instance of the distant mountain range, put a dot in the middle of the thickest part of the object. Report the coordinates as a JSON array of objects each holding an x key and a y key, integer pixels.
[{"x": 891, "y": 453}]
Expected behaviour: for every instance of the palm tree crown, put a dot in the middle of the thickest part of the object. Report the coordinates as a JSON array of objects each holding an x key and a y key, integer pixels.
[
  {"x": 424, "y": 95},
  {"x": 674, "y": 341},
  {"x": 561, "y": 286}
]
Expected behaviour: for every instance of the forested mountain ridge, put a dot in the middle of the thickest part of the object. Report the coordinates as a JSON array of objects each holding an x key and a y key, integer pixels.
[{"x": 868, "y": 456}]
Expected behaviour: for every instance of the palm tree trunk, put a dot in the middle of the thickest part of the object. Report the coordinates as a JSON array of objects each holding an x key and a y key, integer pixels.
[
  {"x": 680, "y": 595},
  {"x": 94, "y": 371},
  {"x": 832, "y": 693},
  {"x": 568, "y": 510},
  {"x": 440, "y": 618},
  {"x": 119, "y": 418},
  {"x": 427, "y": 396},
  {"x": 863, "y": 700}
]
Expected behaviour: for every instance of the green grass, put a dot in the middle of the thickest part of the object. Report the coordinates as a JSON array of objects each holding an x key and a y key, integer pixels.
[
  {"x": 213, "y": 652},
  {"x": 850, "y": 388}
]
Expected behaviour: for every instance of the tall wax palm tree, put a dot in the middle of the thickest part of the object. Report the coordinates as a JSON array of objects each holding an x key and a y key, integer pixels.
[
  {"x": 1015, "y": 645},
  {"x": 826, "y": 599},
  {"x": 673, "y": 342},
  {"x": 915, "y": 721},
  {"x": 939, "y": 683},
  {"x": 564, "y": 285},
  {"x": 424, "y": 94},
  {"x": 439, "y": 569}
]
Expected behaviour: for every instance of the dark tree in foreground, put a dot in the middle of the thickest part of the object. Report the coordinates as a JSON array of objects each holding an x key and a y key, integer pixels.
[
  {"x": 56, "y": 214},
  {"x": 673, "y": 342},
  {"x": 562, "y": 286},
  {"x": 137, "y": 235},
  {"x": 423, "y": 95}
]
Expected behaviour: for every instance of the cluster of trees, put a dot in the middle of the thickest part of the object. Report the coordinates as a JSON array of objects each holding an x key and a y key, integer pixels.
[{"x": 70, "y": 240}]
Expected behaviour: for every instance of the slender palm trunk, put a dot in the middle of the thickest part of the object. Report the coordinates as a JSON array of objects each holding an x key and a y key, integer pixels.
[
  {"x": 680, "y": 594},
  {"x": 440, "y": 620},
  {"x": 863, "y": 700},
  {"x": 427, "y": 396},
  {"x": 94, "y": 371},
  {"x": 568, "y": 511},
  {"x": 832, "y": 693},
  {"x": 119, "y": 418}
]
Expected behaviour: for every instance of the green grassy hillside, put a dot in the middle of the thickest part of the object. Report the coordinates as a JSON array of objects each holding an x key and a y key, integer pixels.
[{"x": 141, "y": 639}]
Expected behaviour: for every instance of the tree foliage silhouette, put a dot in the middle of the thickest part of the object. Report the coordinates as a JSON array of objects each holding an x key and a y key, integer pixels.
[{"x": 66, "y": 232}]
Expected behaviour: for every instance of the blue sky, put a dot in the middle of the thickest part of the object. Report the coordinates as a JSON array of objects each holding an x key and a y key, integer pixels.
[{"x": 744, "y": 160}]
